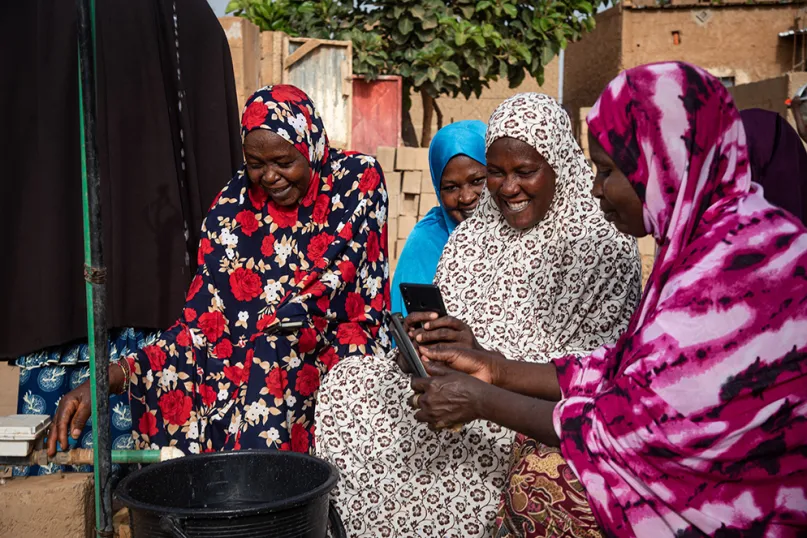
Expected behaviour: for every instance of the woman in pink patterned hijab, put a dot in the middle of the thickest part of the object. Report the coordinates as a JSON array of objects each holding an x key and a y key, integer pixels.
[{"x": 695, "y": 422}]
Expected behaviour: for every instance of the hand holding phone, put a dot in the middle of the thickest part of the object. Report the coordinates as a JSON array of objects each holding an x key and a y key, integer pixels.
[
  {"x": 423, "y": 298},
  {"x": 423, "y": 301},
  {"x": 405, "y": 346}
]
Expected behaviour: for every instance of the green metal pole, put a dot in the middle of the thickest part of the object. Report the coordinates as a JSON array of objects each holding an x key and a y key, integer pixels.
[{"x": 94, "y": 270}]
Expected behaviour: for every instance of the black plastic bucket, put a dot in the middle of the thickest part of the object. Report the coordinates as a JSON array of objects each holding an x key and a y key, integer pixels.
[{"x": 245, "y": 494}]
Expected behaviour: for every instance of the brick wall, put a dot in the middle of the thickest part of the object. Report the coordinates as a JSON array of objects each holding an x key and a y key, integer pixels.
[
  {"x": 411, "y": 194},
  {"x": 591, "y": 63},
  {"x": 728, "y": 41},
  {"x": 457, "y": 109},
  {"x": 59, "y": 504},
  {"x": 739, "y": 41},
  {"x": 257, "y": 61},
  {"x": 770, "y": 94}
]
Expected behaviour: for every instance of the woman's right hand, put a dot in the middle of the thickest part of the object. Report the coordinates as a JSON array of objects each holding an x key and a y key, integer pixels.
[
  {"x": 73, "y": 413},
  {"x": 481, "y": 364},
  {"x": 75, "y": 409}
]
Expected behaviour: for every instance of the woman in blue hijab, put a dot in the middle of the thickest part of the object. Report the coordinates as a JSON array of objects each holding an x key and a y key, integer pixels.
[{"x": 457, "y": 162}]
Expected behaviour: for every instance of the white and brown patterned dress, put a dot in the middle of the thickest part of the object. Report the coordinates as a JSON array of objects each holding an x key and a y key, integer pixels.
[{"x": 567, "y": 285}]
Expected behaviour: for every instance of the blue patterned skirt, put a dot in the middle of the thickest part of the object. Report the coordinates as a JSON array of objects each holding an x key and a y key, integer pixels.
[{"x": 47, "y": 375}]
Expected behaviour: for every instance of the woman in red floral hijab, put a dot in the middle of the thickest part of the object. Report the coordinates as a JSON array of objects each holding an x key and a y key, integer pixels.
[{"x": 292, "y": 276}]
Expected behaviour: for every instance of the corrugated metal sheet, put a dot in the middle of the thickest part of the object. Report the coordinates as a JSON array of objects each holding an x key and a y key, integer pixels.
[
  {"x": 791, "y": 33},
  {"x": 325, "y": 74}
]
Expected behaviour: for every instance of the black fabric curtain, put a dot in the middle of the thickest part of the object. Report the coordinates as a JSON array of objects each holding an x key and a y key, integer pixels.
[{"x": 168, "y": 142}]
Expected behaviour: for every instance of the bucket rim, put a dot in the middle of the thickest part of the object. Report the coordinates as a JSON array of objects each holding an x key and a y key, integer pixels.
[{"x": 207, "y": 513}]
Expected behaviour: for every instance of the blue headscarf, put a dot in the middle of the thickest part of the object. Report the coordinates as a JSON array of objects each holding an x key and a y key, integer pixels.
[{"x": 418, "y": 261}]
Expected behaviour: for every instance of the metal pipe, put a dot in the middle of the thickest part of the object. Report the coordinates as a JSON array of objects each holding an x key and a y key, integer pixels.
[
  {"x": 85, "y": 456},
  {"x": 136, "y": 456},
  {"x": 94, "y": 270}
]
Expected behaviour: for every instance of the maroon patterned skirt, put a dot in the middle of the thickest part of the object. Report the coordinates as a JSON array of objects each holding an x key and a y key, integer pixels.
[{"x": 542, "y": 497}]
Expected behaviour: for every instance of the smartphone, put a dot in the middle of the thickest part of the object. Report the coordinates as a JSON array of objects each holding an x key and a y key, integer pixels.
[
  {"x": 423, "y": 298},
  {"x": 405, "y": 345}
]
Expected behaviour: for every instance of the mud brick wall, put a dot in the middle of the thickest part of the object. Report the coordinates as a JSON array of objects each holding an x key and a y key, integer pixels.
[{"x": 411, "y": 194}]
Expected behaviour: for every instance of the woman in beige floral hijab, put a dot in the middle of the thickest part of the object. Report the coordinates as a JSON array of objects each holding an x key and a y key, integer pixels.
[{"x": 532, "y": 282}]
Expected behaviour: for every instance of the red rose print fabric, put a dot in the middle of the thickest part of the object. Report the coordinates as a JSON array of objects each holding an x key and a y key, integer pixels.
[{"x": 227, "y": 375}]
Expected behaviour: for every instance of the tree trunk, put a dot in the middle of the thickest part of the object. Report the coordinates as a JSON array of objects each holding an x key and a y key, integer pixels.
[
  {"x": 428, "y": 115},
  {"x": 439, "y": 115},
  {"x": 408, "y": 134}
]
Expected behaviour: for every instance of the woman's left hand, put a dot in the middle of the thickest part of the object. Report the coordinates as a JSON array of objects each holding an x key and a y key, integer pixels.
[
  {"x": 426, "y": 329},
  {"x": 447, "y": 398}
]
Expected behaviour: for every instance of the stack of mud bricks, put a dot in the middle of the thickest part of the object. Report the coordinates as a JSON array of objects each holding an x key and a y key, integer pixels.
[
  {"x": 411, "y": 193},
  {"x": 582, "y": 131},
  {"x": 52, "y": 505},
  {"x": 647, "y": 250}
]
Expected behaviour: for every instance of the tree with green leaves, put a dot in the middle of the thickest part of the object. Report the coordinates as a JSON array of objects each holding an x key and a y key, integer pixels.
[{"x": 439, "y": 47}]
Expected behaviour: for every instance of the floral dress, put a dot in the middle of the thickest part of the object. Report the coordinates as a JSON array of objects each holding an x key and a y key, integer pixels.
[
  {"x": 281, "y": 295},
  {"x": 565, "y": 285}
]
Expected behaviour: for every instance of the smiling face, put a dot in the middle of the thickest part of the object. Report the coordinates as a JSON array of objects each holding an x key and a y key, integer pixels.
[
  {"x": 618, "y": 199},
  {"x": 520, "y": 181},
  {"x": 277, "y": 166},
  {"x": 462, "y": 183}
]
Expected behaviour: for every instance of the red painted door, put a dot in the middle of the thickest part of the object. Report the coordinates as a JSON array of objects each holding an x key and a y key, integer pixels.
[{"x": 376, "y": 113}]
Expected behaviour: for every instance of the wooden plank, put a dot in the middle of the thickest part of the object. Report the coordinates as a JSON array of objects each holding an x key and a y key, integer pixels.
[
  {"x": 272, "y": 47},
  {"x": 347, "y": 92},
  {"x": 300, "y": 53},
  {"x": 325, "y": 42}
]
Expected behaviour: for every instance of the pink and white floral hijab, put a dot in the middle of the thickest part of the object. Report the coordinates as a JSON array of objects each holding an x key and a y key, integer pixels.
[{"x": 695, "y": 422}]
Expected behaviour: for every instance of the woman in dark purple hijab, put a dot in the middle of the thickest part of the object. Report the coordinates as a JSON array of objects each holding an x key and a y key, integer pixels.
[{"x": 778, "y": 160}]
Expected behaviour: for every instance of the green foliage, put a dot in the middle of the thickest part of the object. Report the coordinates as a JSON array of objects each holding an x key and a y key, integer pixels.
[
  {"x": 272, "y": 16},
  {"x": 321, "y": 19},
  {"x": 440, "y": 47}
]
